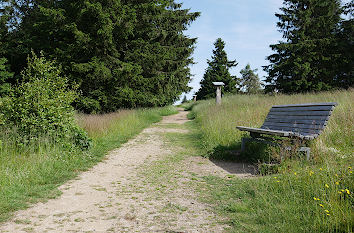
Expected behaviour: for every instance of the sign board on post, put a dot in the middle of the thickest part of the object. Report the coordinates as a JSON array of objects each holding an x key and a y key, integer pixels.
[
  {"x": 195, "y": 98},
  {"x": 218, "y": 91}
]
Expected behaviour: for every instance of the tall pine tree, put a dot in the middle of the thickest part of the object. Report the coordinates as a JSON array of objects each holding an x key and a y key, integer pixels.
[
  {"x": 345, "y": 46},
  {"x": 305, "y": 60},
  {"x": 218, "y": 71}
]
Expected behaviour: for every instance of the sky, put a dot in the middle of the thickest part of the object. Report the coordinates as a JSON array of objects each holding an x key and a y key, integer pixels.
[{"x": 248, "y": 27}]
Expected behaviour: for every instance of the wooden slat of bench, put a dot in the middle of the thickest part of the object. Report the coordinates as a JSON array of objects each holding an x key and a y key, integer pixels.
[
  {"x": 294, "y": 125},
  {"x": 306, "y": 136},
  {"x": 316, "y": 118},
  {"x": 300, "y": 113},
  {"x": 307, "y": 104},
  {"x": 293, "y": 129},
  {"x": 291, "y": 121},
  {"x": 307, "y": 108},
  {"x": 265, "y": 131}
]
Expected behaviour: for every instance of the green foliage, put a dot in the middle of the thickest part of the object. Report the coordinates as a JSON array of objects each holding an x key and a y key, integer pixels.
[
  {"x": 123, "y": 54},
  {"x": 314, "y": 55},
  {"x": 249, "y": 82},
  {"x": 283, "y": 202},
  {"x": 218, "y": 71},
  {"x": 5, "y": 75},
  {"x": 313, "y": 198},
  {"x": 41, "y": 105}
]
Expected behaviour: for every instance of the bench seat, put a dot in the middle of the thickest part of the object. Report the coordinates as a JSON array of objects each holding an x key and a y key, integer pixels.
[{"x": 279, "y": 133}]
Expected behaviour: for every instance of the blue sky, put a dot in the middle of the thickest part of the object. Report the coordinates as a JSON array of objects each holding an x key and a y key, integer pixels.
[{"x": 248, "y": 27}]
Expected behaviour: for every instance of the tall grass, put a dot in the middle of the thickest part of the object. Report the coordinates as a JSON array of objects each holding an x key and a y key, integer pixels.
[
  {"x": 218, "y": 123},
  {"x": 306, "y": 196},
  {"x": 32, "y": 172}
]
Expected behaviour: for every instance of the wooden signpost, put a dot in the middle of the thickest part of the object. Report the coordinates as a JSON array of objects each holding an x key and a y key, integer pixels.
[{"x": 218, "y": 91}]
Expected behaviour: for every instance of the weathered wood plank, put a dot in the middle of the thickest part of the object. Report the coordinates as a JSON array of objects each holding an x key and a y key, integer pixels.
[
  {"x": 306, "y": 136},
  {"x": 316, "y": 118},
  {"x": 264, "y": 131},
  {"x": 301, "y": 113},
  {"x": 292, "y": 129},
  {"x": 306, "y": 104},
  {"x": 293, "y": 125},
  {"x": 292, "y": 121},
  {"x": 307, "y": 108}
]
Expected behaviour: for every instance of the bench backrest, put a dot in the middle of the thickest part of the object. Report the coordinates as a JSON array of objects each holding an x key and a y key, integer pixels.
[{"x": 305, "y": 119}]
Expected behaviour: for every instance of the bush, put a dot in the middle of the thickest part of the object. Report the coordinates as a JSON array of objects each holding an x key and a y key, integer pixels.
[{"x": 41, "y": 105}]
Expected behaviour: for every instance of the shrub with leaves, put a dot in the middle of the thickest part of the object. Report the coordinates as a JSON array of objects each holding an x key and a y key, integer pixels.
[{"x": 41, "y": 105}]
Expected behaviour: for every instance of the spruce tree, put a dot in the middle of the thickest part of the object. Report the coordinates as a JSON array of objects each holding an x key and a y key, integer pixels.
[
  {"x": 304, "y": 61},
  {"x": 123, "y": 54},
  {"x": 218, "y": 71},
  {"x": 249, "y": 82},
  {"x": 5, "y": 78},
  {"x": 344, "y": 64}
]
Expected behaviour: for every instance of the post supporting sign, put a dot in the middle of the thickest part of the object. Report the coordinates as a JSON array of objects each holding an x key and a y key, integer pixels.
[
  {"x": 218, "y": 91},
  {"x": 195, "y": 98}
]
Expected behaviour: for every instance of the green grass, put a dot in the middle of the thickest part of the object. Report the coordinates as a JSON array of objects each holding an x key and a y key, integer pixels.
[
  {"x": 305, "y": 196},
  {"x": 32, "y": 173},
  {"x": 218, "y": 123}
]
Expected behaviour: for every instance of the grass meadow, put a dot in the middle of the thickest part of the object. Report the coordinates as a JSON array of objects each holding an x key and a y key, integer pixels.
[
  {"x": 303, "y": 196},
  {"x": 32, "y": 173}
]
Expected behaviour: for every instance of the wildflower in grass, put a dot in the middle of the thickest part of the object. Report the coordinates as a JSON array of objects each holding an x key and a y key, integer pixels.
[
  {"x": 327, "y": 186},
  {"x": 347, "y": 190},
  {"x": 339, "y": 192},
  {"x": 311, "y": 173},
  {"x": 328, "y": 214},
  {"x": 327, "y": 211},
  {"x": 336, "y": 175},
  {"x": 316, "y": 199},
  {"x": 349, "y": 168},
  {"x": 321, "y": 169},
  {"x": 337, "y": 183},
  {"x": 275, "y": 177},
  {"x": 321, "y": 205},
  {"x": 295, "y": 173},
  {"x": 278, "y": 181}
]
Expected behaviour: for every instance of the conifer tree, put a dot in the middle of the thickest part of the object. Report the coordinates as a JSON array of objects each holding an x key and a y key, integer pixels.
[
  {"x": 122, "y": 53},
  {"x": 218, "y": 71},
  {"x": 344, "y": 64},
  {"x": 249, "y": 82},
  {"x": 5, "y": 77},
  {"x": 304, "y": 61}
]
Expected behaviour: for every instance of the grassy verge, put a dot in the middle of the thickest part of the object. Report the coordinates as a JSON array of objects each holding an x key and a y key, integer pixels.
[
  {"x": 32, "y": 173},
  {"x": 305, "y": 196}
]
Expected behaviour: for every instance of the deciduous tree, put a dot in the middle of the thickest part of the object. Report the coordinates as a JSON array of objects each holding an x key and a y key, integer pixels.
[{"x": 249, "y": 82}]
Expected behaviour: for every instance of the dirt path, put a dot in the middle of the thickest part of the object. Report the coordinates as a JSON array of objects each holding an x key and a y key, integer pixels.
[{"x": 140, "y": 187}]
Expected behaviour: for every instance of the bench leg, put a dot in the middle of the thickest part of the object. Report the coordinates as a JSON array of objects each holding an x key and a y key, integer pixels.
[
  {"x": 307, "y": 150},
  {"x": 243, "y": 144}
]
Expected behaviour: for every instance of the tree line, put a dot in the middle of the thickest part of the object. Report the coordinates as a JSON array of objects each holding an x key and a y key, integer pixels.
[
  {"x": 120, "y": 53},
  {"x": 316, "y": 53}
]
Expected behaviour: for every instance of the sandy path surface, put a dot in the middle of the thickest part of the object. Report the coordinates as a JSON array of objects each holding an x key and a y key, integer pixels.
[{"x": 120, "y": 195}]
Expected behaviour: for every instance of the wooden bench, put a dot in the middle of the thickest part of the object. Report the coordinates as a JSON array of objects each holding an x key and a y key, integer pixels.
[{"x": 299, "y": 122}]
